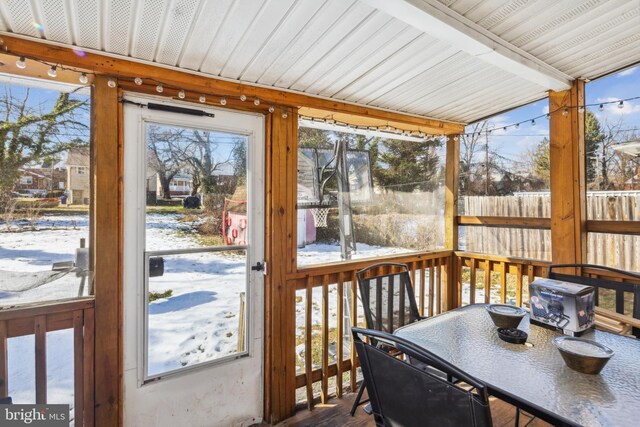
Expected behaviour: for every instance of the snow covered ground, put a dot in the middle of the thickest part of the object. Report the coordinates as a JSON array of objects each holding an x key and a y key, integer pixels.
[{"x": 198, "y": 322}]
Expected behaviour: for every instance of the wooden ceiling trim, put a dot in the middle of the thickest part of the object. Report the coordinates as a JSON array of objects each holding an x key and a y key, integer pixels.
[{"x": 129, "y": 69}]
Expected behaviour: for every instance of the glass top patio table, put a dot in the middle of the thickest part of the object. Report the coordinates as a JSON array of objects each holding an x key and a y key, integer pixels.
[{"x": 536, "y": 378}]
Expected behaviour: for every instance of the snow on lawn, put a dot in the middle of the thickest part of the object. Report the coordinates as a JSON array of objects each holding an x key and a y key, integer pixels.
[
  {"x": 198, "y": 322},
  {"x": 321, "y": 253}
]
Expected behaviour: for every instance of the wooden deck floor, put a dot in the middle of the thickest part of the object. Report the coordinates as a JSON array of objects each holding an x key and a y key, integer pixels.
[{"x": 336, "y": 413}]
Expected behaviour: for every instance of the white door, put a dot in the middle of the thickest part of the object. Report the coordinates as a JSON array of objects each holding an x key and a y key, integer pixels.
[{"x": 193, "y": 305}]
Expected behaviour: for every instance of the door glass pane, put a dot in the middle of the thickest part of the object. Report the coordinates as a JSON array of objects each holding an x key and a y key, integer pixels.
[
  {"x": 196, "y": 310},
  {"x": 196, "y": 215},
  {"x": 196, "y": 188}
]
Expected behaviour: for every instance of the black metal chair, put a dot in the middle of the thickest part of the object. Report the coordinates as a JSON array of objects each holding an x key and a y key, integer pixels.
[
  {"x": 388, "y": 301},
  {"x": 620, "y": 288},
  {"x": 406, "y": 394}
]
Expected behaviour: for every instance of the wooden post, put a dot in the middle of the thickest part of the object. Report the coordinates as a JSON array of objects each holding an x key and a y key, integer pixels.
[
  {"x": 449, "y": 295},
  {"x": 280, "y": 322},
  {"x": 107, "y": 239},
  {"x": 568, "y": 177}
]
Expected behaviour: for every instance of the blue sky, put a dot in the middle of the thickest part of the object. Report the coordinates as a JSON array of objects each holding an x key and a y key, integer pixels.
[{"x": 514, "y": 143}]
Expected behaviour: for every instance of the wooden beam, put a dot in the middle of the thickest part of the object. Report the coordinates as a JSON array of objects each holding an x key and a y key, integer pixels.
[
  {"x": 107, "y": 259},
  {"x": 568, "y": 177},
  {"x": 128, "y": 68},
  {"x": 452, "y": 180},
  {"x": 449, "y": 298},
  {"x": 504, "y": 221},
  {"x": 443, "y": 23},
  {"x": 280, "y": 321},
  {"x": 615, "y": 227}
]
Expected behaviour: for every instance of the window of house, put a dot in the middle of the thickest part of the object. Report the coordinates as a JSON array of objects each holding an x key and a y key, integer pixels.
[
  {"x": 82, "y": 170},
  {"x": 43, "y": 247},
  {"x": 363, "y": 196}
]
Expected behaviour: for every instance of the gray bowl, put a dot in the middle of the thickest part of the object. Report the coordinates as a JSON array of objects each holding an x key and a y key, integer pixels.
[
  {"x": 586, "y": 356},
  {"x": 505, "y": 316}
]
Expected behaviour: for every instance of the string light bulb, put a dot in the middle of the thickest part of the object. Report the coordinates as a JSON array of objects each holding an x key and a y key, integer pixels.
[
  {"x": 137, "y": 81},
  {"x": 621, "y": 104},
  {"x": 159, "y": 88},
  {"x": 533, "y": 122},
  {"x": 581, "y": 109},
  {"x": 111, "y": 83},
  {"x": 223, "y": 101},
  {"x": 601, "y": 107},
  {"x": 202, "y": 99},
  {"x": 548, "y": 116},
  {"x": 517, "y": 125},
  {"x": 271, "y": 109},
  {"x": 565, "y": 111},
  {"x": 83, "y": 78},
  {"x": 256, "y": 102},
  {"x": 285, "y": 115},
  {"x": 181, "y": 94},
  {"x": 53, "y": 72},
  {"x": 243, "y": 98},
  {"x": 21, "y": 63}
]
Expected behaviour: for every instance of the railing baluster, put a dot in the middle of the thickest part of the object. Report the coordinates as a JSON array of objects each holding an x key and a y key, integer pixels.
[
  {"x": 340, "y": 334},
  {"x": 78, "y": 371},
  {"x": 423, "y": 288},
  {"x": 89, "y": 345},
  {"x": 438, "y": 302},
  {"x": 472, "y": 283},
  {"x": 503, "y": 282},
  {"x": 324, "y": 392},
  {"x": 307, "y": 342},
  {"x": 431, "y": 296},
  {"x": 519, "y": 285},
  {"x": 354, "y": 322},
  {"x": 487, "y": 281},
  {"x": 40, "y": 330},
  {"x": 4, "y": 383},
  {"x": 459, "y": 279}
]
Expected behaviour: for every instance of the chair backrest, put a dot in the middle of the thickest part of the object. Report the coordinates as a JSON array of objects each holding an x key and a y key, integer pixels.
[
  {"x": 625, "y": 293},
  {"x": 387, "y": 298},
  {"x": 408, "y": 394}
]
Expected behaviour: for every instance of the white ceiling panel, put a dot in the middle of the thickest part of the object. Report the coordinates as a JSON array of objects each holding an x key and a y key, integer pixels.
[{"x": 351, "y": 50}]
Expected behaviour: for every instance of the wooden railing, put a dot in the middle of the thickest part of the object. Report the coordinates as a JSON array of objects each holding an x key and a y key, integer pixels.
[
  {"x": 39, "y": 319},
  {"x": 334, "y": 284},
  {"x": 510, "y": 283}
]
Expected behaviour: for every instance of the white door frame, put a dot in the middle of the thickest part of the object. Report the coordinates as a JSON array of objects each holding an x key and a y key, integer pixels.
[{"x": 225, "y": 392}]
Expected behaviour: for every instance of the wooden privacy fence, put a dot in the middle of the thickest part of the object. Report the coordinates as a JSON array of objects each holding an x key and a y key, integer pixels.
[
  {"x": 336, "y": 287},
  {"x": 40, "y": 319},
  {"x": 530, "y": 235}
]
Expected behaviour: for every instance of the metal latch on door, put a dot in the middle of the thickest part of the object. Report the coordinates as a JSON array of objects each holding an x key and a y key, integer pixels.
[{"x": 260, "y": 266}]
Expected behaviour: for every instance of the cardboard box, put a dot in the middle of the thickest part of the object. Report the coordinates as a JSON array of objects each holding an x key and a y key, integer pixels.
[{"x": 566, "y": 306}]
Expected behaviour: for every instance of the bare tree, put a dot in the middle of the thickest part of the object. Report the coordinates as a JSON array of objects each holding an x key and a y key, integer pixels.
[
  {"x": 162, "y": 144},
  {"x": 30, "y": 132}
]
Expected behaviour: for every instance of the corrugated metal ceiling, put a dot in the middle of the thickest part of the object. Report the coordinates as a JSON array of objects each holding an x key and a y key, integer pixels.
[{"x": 345, "y": 49}]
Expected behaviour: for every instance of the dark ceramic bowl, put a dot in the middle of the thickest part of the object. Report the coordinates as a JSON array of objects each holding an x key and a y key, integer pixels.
[
  {"x": 505, "y": 316},
  {"x": 586, "y": 356},
  {"x": 512, "y": 335}
]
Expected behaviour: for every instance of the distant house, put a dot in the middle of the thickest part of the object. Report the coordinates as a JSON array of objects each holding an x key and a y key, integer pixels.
[
  {"x": 180, "y": 185},
  {"x": 40, "y": 181},
  {"x": 78, "y": 179}
]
